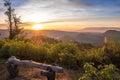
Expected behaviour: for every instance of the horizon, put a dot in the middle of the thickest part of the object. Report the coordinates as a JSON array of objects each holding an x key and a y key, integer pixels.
[
  {"x": 84, "y": 30},
  {"x": 65, "y": 15}
]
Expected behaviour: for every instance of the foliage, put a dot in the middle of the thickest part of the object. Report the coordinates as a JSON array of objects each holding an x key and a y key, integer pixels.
[
  {"x": 66, "y": 54},
  {"x": 107, "y": 72}
]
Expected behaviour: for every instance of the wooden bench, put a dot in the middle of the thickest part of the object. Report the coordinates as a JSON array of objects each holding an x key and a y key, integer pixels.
[{"x": 13, "y": 63}]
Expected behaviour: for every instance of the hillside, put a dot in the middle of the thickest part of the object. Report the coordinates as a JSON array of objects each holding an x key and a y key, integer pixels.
[
  {"x": 81, "y": 37},
  {"x": 112, "y": 35},
  {"x": 98, "y": 29}
]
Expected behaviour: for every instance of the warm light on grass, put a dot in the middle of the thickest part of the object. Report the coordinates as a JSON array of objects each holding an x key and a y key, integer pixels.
[{"x": 37, "y": 27}]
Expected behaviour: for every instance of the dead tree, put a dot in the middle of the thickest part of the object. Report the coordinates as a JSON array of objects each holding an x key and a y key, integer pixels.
[
  {"x": 13, "y": 62},
  {"x": 13, "y": 20}
]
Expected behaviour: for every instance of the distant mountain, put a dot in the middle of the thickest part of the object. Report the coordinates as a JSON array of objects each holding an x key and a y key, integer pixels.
[
  {"x": 98, "y": 29},
  {"x": 112, "y": 35},
  {"x": 81, "y": 37},
  {"x": 51, "y": 33},
  {"x": 94, "y": 38}
]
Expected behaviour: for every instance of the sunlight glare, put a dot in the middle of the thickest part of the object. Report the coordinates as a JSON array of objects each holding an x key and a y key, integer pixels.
[{"x": 37, "y": 27}]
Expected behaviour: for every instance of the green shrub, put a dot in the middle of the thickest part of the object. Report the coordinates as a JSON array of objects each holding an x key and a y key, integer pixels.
[
  {"x": 68, "y": 60},
  {"x": 107, "y": 72},
  {"x": 2, "y": 42},
  {"x": 63, "y": 53},
  {"x": 64, "y": 47},
  {"x": 41, "y": 54},
  {"x": 4, "y": 52},
  {"x": 19, "y": 49}
]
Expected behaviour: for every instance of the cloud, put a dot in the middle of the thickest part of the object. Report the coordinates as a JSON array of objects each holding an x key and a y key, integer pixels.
[
  {"x": 1, "y": 5},
  {"x": 97, "y": 3},
  {"x": 2, "y": 10},
  {"x": 51, "y": 10}
]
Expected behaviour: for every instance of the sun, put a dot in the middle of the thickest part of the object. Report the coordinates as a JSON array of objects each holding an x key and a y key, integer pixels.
[{"x": 37, "y": 27}]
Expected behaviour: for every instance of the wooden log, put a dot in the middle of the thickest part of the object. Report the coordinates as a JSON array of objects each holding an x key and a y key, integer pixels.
[
  {"x": 16, "y": 61},
  {"x": 12, "y": 69},
  {"x": 50, "y": 74}
]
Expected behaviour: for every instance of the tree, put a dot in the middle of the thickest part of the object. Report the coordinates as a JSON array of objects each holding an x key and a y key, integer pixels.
[{"x": 13, "y": 21}]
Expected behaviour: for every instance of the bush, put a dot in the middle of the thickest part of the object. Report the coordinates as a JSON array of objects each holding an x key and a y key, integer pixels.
[
  {"x": 19, "y": 49},
  {"x": 107, "y": 72},
  {"x": 63, "y": 53},
  {"x": 4, "y": 52},
  {"x": 64, "y": 47},
  {"x": 68, "y": 60},
  {"x": 41, "y": 54},
  {"x": 2, "y": 42}
]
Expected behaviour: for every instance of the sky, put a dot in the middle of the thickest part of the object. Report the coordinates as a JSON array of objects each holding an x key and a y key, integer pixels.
[{"x": 69, "y": 15}]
